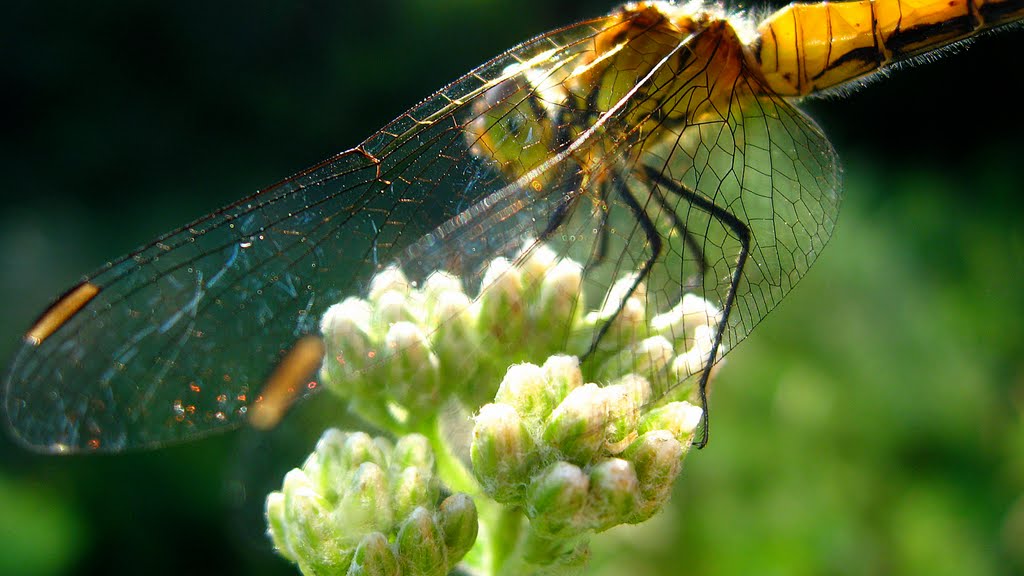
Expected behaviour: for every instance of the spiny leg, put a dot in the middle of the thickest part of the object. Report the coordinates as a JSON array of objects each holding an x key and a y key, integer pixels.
[{"x": 742, "y": 233}]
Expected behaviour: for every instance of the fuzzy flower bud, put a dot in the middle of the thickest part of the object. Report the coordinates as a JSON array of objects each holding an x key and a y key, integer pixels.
[
  {"x": 525, "y": 388},
  {"x": 458, "y": 521},
  {"x": 557, "y": 499},
  {"x": 657, "y": 457},
  {"x": 694, "y": 360},
  {"x": 614, "y": 493},
  {"x": 558, "y": 303},
  {"x": 413, "y": 367},
  {"x": 421, "y": 546},
  {"x": 576, "y": 427},
  {"x": 502, "y": 452},
  {"x": 563, "y": 375},
  {"x": 438, "y": 284},
  {"x": 374, "y": 557}
]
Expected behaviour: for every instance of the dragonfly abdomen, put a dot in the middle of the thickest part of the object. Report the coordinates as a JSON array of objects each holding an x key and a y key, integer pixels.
[{"x": 805, "y": 48}]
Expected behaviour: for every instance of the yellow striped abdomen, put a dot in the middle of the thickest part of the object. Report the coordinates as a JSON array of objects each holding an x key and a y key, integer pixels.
[{"x": 804, "y": 48}]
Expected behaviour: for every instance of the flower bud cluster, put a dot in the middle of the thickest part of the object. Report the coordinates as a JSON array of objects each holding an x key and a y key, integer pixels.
[
  {"x": 579, "y": 457},
  {"x": 405, "y": 346},
  {"x": 360, "y": 505},
  {"x": 411, "y": 346}
]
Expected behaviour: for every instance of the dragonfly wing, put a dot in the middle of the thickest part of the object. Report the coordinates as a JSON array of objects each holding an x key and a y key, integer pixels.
[
  {"x": 175, "y": 340},
  {"x": 759, "y": 167}
]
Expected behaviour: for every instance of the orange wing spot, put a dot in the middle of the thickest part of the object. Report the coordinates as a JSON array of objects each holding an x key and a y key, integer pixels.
[
  {"x": 290, "y": 376},
  {"x": 60, "y": 312}
]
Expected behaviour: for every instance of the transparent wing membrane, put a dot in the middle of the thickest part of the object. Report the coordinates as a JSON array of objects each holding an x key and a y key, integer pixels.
[
  {"x": 183, "y": 332},
  {"x": 654, "y": 160}
]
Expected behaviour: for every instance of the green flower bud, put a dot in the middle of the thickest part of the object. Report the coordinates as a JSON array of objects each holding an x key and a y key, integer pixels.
[
  {"x": 502, "y": 452},
  {"x": 326, "y": 467},
  {"x": 614, "y": 493},
  {"x": 307, "y": 528},
  {"x": 623, "y": 409},
  {"x": 412, "y": 487},
  {"x": 455, "y": 342},
  {"x": 453, "y": 322},
  {"x": 365, "y": 505},
  {"x": 347, "y": 325},
  {"x": 356, "y": 448},
  {"x": 558, "y": 307},
  {"x": 526, "y": 389},
  {"x": 413, "y": 367},
  {"x": 577, "y": 427},
  {"x": 502, "y": 305},
  {"x": 648, "y": 358},
  {"x": 421, "y": 546},
  {"x": 363, "y": 493},
  {"x": 346, "y": 330},
  {"x": 458, "y": 520},
  {"x": 274, "y": 511},
  {"x": 563, "y": 375},
  {"x": 657, "y": 457},
  {"x": 556, "y": 500},
  {"x": 441, "y": 282},
  {"x": 678, "y": 418},
  {"x": 374, "y": 557},
  {"x": 694, "y": 360},
  {"x": 636, "y": 388}
]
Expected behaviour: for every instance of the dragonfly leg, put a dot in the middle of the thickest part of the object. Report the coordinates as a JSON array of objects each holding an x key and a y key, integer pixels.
[
  {"x": 601, "y": 252},
  {"x": 654, "y": 240},
  {"x": 688, "y": 239},
  {"x": 563, "y": 209},
  {"x": 742, "y": 233}
]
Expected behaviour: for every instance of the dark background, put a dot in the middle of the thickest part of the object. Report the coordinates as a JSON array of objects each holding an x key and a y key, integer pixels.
[{"x": 873, "y": 424}]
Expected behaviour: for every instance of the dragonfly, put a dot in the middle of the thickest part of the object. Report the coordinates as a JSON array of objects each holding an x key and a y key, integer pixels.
[{"x": 660, "y": 142}]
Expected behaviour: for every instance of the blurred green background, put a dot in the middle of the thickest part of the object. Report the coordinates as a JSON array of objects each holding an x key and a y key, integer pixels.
[{"x": 873, "y": 424}]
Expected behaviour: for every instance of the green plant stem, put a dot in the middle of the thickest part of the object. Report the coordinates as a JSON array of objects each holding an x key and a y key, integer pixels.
[
  {"x": 450, "y": 467},
  {"x": 500, "y": 526},
  {"x": 506, "y": 527}
]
